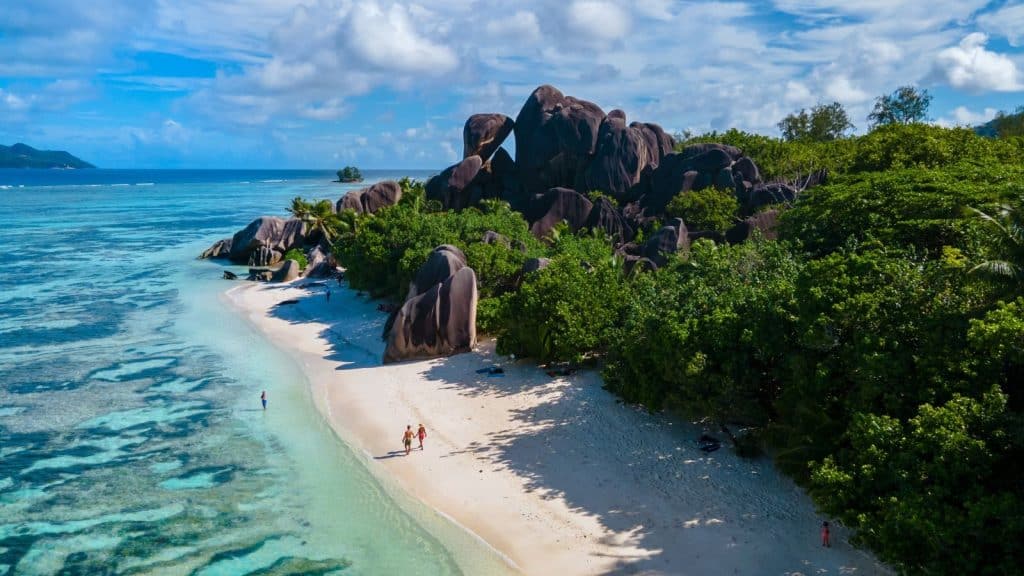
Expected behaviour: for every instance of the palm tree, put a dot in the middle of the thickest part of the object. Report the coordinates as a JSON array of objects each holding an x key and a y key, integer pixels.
[
  {"x": 1007, "y": 223},
  {"x": 300, "y": 208},
  {"x": 322, "y": 219}
]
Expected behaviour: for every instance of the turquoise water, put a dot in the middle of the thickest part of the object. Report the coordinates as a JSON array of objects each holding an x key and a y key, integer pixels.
[{"x": 131, "y": 438}]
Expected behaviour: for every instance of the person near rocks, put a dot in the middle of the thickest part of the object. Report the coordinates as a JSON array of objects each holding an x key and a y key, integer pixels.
[
  {"x": 826, "y": 536},
  {"x": 263, "y": 399},
  {"x": 407, "y": 439},
  {"x": 328, "y": 294},
  {"x": 421, "y": 434}
]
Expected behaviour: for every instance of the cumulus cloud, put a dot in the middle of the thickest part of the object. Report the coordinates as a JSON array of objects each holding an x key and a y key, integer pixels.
[
  {"x": 969, "y": 66},
  {"x": 597, "y": 20},
  {"x": 1007, "y": 21},
  {"x": 964, "y": 116}
]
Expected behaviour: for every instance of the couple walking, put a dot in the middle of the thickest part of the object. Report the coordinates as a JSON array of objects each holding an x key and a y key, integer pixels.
[{"x": 408, "y": 436}]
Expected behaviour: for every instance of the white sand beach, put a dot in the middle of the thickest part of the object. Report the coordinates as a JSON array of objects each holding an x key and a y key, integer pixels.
[{"x": 555, "y": 473}]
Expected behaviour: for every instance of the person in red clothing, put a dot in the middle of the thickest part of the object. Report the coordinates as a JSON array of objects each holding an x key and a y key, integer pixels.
[
  {"x": 421, "y": 434},
  {"x": 826, "y": 536}
]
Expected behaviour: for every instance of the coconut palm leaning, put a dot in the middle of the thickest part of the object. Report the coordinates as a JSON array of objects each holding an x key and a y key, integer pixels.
[
  {"x": 1007, "y": 225},
  {"x": 319, "y": 217}
]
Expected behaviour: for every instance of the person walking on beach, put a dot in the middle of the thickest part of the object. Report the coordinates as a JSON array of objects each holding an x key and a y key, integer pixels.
[
  {"x": 826, "y": 536},
  {"x": 263, "y": 399},
  {"x": 407, "y": 439},
  {"x": 421, "y": 434}
]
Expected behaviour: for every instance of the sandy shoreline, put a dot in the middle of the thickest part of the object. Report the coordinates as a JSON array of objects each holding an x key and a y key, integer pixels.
[{"x": 552, "y": 472}]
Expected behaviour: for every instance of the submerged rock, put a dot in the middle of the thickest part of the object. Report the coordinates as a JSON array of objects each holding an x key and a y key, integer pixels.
[{"x": 220, "y": 249}]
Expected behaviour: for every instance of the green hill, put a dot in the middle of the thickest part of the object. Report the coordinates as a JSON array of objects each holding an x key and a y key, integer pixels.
[{"x": 24, "y": 156}]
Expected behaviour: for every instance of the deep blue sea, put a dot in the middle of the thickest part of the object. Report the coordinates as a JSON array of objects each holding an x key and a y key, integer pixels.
[{"x": 131, "y": 437}]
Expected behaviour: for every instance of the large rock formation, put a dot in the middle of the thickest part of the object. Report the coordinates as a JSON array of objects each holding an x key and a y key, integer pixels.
[
  {"x": 439, "y": 317},
  {"x": 320, "y": 262},
  {"x": 287, "y": 272},
  {"x": 667, "y": 241},
  {"x": 369, "y": 200},
  {"x": 607, "y": 217},
  {"x": 764, "y": 223},
  {"x": 484, "y": 133},
  {"x": 452, "y": 188},
  {"x": 271, "y": 236},
  {"x": 619, "y": 160},
  {"x": 560, "y": 204},
  {"x": 220, "y": 249}
]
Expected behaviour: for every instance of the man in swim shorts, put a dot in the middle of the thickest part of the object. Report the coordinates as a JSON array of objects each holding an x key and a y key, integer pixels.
[{"x": 407, "y": 439}]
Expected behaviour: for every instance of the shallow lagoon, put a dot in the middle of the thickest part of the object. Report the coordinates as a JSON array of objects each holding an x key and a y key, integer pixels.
[{"x": 131, "y": 437}]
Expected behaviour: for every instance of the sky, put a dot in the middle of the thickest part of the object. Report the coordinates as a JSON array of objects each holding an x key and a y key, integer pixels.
[{"x": 378, "y": 84}]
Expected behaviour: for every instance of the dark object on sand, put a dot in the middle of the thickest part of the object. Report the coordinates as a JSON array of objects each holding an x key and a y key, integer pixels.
[
  {"x": 287, "y": 302},
  {"x": 229, "y": 275},
  {"x": 708, "y": 443},
  {"x": 492, "y": 371},
  {"x": 561, "y": 372}
]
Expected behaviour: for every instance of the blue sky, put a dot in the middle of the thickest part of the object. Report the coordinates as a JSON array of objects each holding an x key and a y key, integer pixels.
[{"x": 325, "y": 83}]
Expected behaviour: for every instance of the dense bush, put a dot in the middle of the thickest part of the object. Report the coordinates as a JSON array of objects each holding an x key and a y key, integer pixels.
[
  {"x": 706, "y": 209},
  {"x": 297, "y": 255},
  {"x": 706, "y": 335},
  {"x": 567, "y": 310}
]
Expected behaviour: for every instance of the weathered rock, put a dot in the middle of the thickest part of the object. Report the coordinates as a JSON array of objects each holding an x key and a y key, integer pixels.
[
  {"x": 320, "y": 263},
  {"x": 264, "y": 256},
  {"x": 379, "y": 195},
  {"x": 724, "y": 180},
  {"x": 442, "y": 262},
  {"x": 816, "y": 178},
  {"x": 619, "y": 160},
  {"x": 229, "y": 275},
  {"x": 276, "y": 234},
  {"x": 370, "y": 199},
  {"x": 287, "y": 272},
  {"x": 492, "y": 237},
  {"x": 672, "y": 238},
  {"x": 771, "y": 193},
  {"x": 451, "y": 187},
  {"x": 555, "y": 135},
  {"x": 220, "y": 249},
  {"x": 657, "y": 143},
  {"x": 260, "y": 274},
  {"x": 631, "y": 264},
  {"x": 763, "y": 222},
  {"x": 693, "y": 150},
  {"x": 605, "y": 216},
  {"x": 534, "y": 265},
  {"x": 484, "y": 133},
  {"x": 560, "y": 204},
  {"x": 746, "y": 168},
  {"x": 709, "y": 162},
  {"x": 438, "y": 322}
]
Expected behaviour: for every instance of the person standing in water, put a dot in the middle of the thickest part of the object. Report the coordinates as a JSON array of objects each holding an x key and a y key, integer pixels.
[
  {"x": 407, "y": 439},
  {"x": 826, "y": 536},
  {"x": 263, "y": 399},
  {"x": 328, "y": 295},
  {"x": 421, "y": 434}
]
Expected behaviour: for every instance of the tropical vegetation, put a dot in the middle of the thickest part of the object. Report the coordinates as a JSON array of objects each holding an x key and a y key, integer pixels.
[
  {"x": 875, "y": 349},
  {"x": 350, "y": 174}
]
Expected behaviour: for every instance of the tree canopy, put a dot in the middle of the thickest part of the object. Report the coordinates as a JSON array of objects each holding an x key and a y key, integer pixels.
[
  {"x": 823, "y": 123},
  {"x": 907, "y": 105}
]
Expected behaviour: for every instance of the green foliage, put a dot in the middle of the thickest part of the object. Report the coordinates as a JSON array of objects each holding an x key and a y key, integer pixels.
[
  {"x": 1005, "y": 226},
  {"x": 566, "y": 311},
  {"x": 823, "y": 123},
  {"x": 935, "y": 494},
  {"x": 320, "y": 218},
  {"x": 297, "y": 255},
  {"x": 706, "y": 336},
  {"x": 923, "y": 208},
  {"x": 706, "y": 209},
  {"x": 907, "y": 105},
  {"x": 594, "y": 195},
  {"x": 382, "y": 256},
  {"x": 350, "y": 174},
  {"x": 1009, "y": 125}
]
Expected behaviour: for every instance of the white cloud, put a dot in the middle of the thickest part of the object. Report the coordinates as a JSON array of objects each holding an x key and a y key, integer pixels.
[
  {"x": 519, "y": 27},
  {"x": 1008, "y": 22},
  {"x": 963, "y": 116},
  {"x": 970, "y": 66},
  {"x": 388, "y": 40},
  {"x": 598, "y": 21}
]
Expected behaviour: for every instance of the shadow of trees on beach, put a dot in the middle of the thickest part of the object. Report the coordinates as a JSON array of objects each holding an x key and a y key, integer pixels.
[{"x": 639, "y": 475}]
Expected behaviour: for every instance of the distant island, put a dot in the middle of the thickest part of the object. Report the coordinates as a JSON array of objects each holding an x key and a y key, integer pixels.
[
  {"x": 24, "y": 156},
  {"x": 349, "y": 174}
]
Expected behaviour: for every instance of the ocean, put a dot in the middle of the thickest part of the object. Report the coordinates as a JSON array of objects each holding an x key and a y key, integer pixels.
[{"x": 132, "y": 440}]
